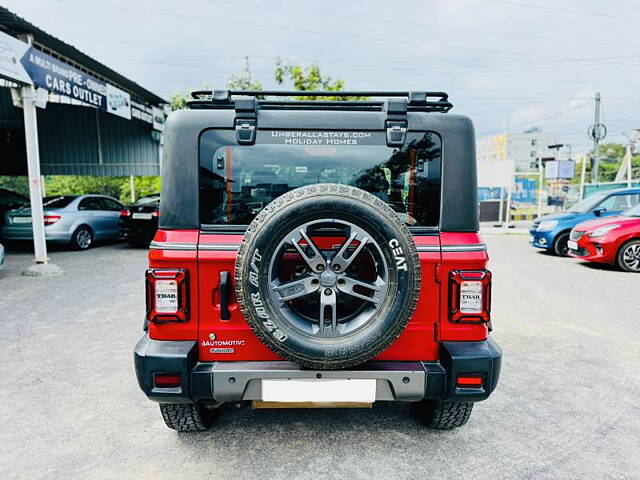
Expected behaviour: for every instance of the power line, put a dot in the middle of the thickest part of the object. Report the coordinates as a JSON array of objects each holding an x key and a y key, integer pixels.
[
  {"x": 389, "y": 21},
  {"x": 236, "y": 22},
  {"x": 565, "y": 10}
]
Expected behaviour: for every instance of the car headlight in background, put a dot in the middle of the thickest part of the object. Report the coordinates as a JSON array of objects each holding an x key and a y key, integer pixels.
[
  {"x": 602, "y": 231},
  {"x": 547, "y": 225}
]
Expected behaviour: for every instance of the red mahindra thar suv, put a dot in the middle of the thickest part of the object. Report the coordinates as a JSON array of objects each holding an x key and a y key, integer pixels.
[{"x": 317, "y": 253}]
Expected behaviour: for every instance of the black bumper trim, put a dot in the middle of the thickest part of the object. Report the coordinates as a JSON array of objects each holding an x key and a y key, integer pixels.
[{"x": 237, "y": 381}]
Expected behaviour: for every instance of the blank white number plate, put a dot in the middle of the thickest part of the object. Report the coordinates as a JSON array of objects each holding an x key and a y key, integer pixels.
[
  {"x": 360, "y": 390},
  {"x": 141, "y": 216},
  {"x": 21, "y": 219}
]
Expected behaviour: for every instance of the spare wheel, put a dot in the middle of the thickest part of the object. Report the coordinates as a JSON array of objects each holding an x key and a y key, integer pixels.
[{"x": 327, "y": 276}]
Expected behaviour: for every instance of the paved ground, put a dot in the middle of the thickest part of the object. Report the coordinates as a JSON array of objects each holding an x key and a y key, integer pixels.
[{"x": 567, "y": 405}]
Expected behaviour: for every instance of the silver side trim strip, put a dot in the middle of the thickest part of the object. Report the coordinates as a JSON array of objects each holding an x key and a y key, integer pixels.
[
  {"x": 172, "y": 246},
  {"x": 428, "y": 248},
  {"x": 218, "y": 246},
  {"x": 477, "y": 247}
]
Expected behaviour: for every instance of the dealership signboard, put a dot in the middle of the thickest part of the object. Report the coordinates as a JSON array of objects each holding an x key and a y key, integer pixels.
[
  {"x": 11, "y": 51},
  {"x": 24, "y": 64}
]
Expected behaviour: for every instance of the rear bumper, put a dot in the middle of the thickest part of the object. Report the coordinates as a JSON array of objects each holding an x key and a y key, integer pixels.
[
  {"x": 10, "y": 232},
  {"x": 238, "y": 381}
]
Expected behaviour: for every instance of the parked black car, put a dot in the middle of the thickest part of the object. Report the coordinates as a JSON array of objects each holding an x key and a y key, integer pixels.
[{"x": 139, "y": 222}]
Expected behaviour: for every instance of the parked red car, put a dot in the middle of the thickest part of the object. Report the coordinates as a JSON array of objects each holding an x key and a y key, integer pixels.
[{"x": 613, "y": 240}]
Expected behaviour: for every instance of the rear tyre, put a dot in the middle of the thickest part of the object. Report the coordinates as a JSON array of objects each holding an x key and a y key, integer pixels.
[
  {"x": 187, "y": 417},
  {"x": 82, "y": 238},
  {"x": 628, "y": 258},
  {"x": 560, "y": 247},
  {"x": 442, "y": 415}
]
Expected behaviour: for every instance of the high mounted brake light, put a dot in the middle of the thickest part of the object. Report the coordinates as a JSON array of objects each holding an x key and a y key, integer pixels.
[
  {"x": 470, "y": 296},
  {"x": 167, "y": 295}
]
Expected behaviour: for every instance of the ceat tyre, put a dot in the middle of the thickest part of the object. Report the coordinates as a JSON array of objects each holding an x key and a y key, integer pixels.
[{"x": 327, "y": 276}]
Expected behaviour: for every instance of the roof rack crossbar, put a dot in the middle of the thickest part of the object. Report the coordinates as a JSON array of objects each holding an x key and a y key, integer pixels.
[{"x": 420, "y": 100}]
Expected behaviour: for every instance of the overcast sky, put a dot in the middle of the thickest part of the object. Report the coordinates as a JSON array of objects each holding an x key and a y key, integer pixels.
[{"x": 505, "y": 63}]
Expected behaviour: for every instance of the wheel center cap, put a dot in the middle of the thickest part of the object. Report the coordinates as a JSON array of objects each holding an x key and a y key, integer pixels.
[{"x": 328, "y": 279}]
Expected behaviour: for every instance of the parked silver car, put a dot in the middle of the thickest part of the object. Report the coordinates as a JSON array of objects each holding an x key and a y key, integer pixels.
[{"x": 78, "y": 220}]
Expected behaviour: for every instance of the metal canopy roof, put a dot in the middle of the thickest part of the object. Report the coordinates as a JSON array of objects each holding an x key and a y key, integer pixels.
[{"x": 13, "y": 24}]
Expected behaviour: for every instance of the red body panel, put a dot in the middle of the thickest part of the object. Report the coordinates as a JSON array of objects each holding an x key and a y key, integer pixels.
[
  {"x": 604, "y": 249},
  {"x": 233, "y": 340},
  {"x": 187, "y": 259},
  {"x": 462, "y": 260}
]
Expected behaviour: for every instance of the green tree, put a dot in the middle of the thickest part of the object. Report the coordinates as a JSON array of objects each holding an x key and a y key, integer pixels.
[
  {"x": 179, "y": 98},
  {"x": 81, "y": 184},
  {"x": 611, "y": 155},
  {"x": 143, "y": 186},
  {"x": 18, "y": 184},
  {"x": 244, "y": 80},
  {"x": 310, "y": 79}
]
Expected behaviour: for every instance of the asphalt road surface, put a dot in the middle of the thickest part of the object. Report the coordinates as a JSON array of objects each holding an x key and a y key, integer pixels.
[{"x": 567, "y": 405}]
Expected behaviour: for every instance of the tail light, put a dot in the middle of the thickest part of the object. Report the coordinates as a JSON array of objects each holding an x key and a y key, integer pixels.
[
  {"x": 155, "y": 213},
  {"x": 167, "y": 295},
  {"x": 166, "y": 380},
  {"x": 470, "y": 296},
  {"x": 51, "y": 219},
  {"x": 125, "y": 213},
  {"x": 469, "y": 381}
]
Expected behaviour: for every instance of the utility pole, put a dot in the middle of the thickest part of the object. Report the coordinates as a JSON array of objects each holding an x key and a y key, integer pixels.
[
  {"x": 247, "y": 69},
  {"x": 596, "y": 140}
]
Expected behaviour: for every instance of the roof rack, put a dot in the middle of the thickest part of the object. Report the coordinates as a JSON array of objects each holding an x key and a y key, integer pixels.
[
  {"x": 246, "y": 104},
  {"x": 418, "y": 100}
]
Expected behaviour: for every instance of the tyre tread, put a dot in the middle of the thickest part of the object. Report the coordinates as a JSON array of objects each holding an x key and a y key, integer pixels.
[
  {"x": 443, "y": 415},
  {"x": 184, "y": 417}
]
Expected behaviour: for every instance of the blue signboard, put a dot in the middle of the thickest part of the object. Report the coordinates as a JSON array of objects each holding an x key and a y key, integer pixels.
[{"x": 63, "y": 79}]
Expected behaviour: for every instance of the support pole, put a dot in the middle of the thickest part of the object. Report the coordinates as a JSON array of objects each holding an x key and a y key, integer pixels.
[
  {"x": 500, "y": 207},
  {"x": 540, "y": 179},
  {"x": 33, "y": 168},
  {"x": 509, "y": 193},
  {"x": 629, "y": 159},
  {"x": 132, "y": 188},
  {"x": 583, "y": 174},
  {"x": 596, "y": 141}
]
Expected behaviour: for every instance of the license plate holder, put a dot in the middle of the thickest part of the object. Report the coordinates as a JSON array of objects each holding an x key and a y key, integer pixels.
[{"x": 359, "y": 390}]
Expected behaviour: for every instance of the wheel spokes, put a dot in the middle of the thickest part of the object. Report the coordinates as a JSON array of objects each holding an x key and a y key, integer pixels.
[
  {"x": 340, "y": 263},
  {"x": 317, "y": 262},
  {"x": 328, "y": 309},
  {"x": 296, "y": 288},
  {"x": 347, "y": 285}
]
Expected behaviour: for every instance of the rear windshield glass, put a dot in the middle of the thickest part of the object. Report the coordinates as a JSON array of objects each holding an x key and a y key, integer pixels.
[
  {"x": 237, "y": 182},
  {"x": 150, "y": 200},
  {"x": 57, "y": 202}
]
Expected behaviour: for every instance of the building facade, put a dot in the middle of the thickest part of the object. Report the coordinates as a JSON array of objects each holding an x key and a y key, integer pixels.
[{"x": 523, "y": 149}]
